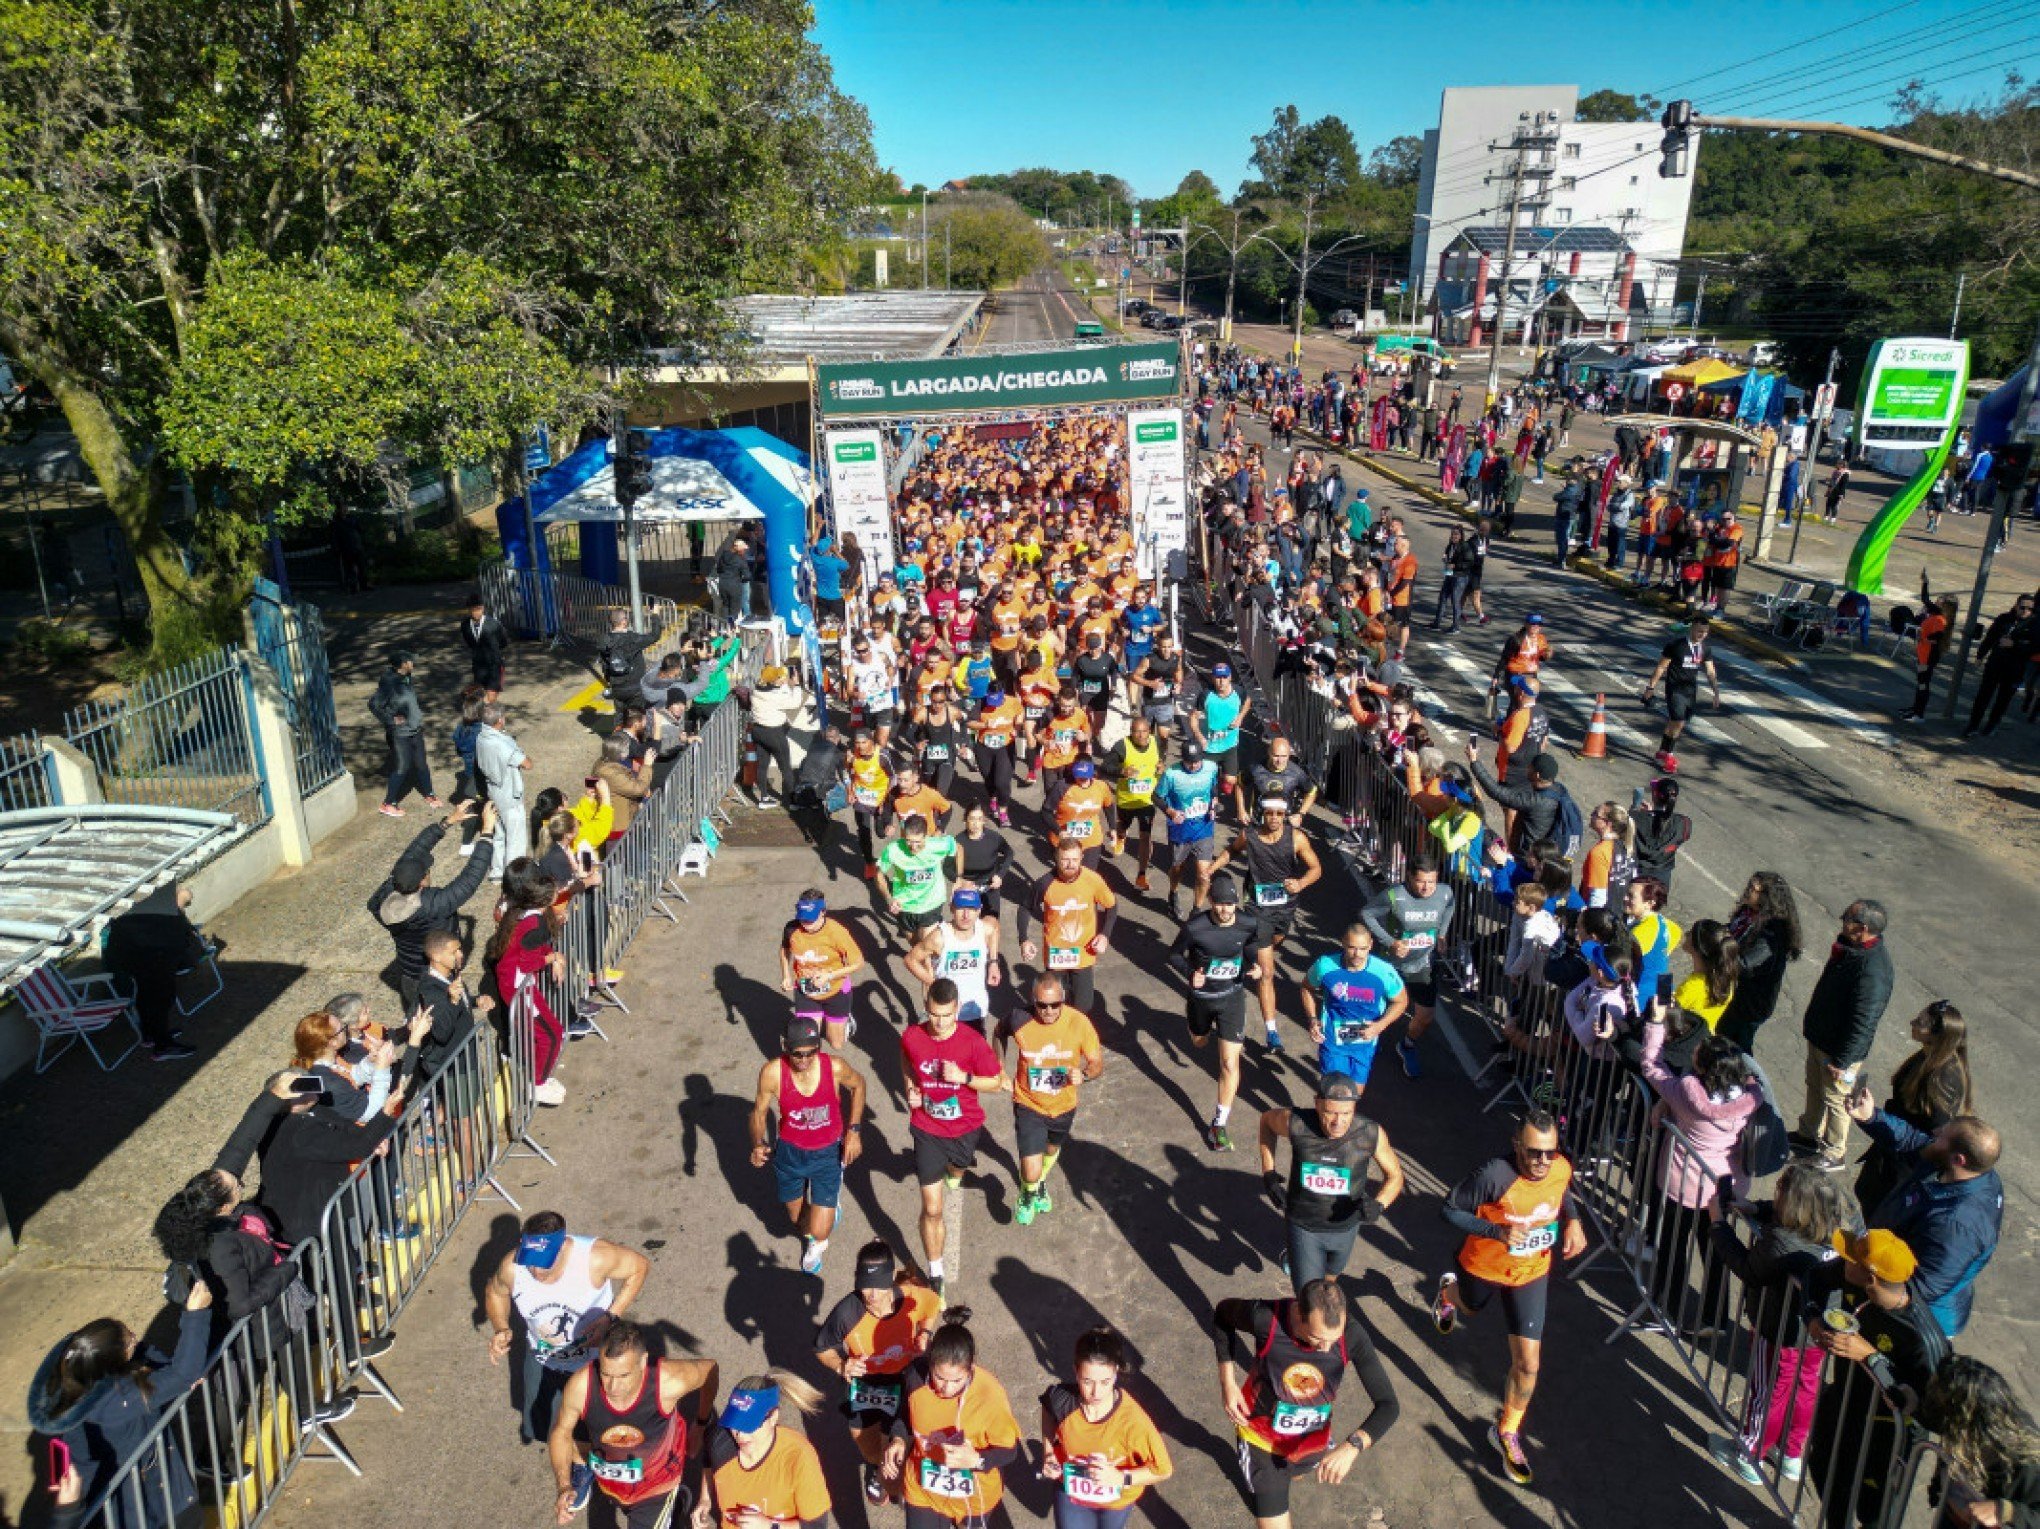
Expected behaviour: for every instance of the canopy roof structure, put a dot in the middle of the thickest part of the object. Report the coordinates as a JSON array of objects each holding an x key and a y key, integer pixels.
[
  {"x": 1698, "y": 374},
  {"x": 66, "y": 872},
  {"x": 1699, "y": 429},
  {"x": 738, "y": 474}
]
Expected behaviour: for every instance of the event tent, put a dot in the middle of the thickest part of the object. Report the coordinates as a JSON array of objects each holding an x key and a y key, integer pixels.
[{"x": 1698, "y": 374}]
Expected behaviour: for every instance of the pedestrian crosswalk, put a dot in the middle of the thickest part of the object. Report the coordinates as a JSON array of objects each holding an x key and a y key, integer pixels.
[{"x": 1768, "y": 703}]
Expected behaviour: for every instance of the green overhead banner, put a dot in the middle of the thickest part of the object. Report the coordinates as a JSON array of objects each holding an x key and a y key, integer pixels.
[{"x": 1083, "y": 374}]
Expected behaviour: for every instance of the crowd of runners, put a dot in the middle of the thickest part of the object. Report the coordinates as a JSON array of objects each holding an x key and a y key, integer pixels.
[{"x": 1016, "y": 688}]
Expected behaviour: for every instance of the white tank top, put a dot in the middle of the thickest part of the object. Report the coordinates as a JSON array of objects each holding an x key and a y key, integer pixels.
[
  {"x": 558, "y": 1314},
  {"x": 963, "y": 961}
]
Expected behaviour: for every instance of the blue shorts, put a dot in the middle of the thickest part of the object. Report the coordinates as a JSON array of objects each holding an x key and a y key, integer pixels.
[
  {"x": 1356, "y": 1062},
  {"x": 813, "y": 1174}
]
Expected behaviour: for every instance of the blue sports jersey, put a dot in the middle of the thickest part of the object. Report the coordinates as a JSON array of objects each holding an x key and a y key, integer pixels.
[
  {"x": 1140, "y": 632},
  {"x": 1352, "y": 999},
  {"x": 1222, "y": 721},
  {"x": 1189, "y": 792}
]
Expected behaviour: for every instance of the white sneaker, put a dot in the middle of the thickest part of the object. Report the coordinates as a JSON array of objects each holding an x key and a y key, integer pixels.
[{"x": 551, "y": 1091}]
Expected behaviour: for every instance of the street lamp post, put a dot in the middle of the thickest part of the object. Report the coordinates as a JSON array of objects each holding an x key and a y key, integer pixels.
[{"x": 1303, "y": 269}]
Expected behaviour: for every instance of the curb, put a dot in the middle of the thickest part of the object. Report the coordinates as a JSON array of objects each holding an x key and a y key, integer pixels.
[{"x": 1732, "y": 635}]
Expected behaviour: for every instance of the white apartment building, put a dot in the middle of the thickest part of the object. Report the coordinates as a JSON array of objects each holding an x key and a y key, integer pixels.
[{"x": 1581, "y": 174}]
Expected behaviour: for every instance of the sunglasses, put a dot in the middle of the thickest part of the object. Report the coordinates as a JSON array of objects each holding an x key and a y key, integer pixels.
[
  {"x": 1047, "y": 1005},
  {"x": 1540, "y": 1152},
  {"x": 805, "y": 1056}
]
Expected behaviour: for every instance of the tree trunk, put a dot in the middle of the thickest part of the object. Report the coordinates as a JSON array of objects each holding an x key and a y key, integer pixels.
[{"x": 133, "y": 491}]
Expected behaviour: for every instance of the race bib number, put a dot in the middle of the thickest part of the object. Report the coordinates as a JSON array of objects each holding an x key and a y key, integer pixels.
[
  {"x": 1327, "y": 1179},
  {"x": 1293, "y": 1420},
  {"x": 947, "y": 1480},
  {"x": 875, "y": 1396},
  {"x": 1047, "y": 1080},
  {"x": 622, "y": 1473},
  {"x": 1034, "y": 713},
  {"x": 1140, "y": 785},
  {"x": 1421, "y": 941},
  {"x": 1064, "y": 958},
  {"x": 1349, "y": 1032},
  {"x": 935, "y": 753},
  {"x": 1091, "y": 687},
  {"x": 818, "y": 987},
  {"x": 1270, "y": 894},
  {"x": 1081, "y": 1488},
  {"x": 960, "y": 962},
  {"x": 996, "y": 740},
  {"x": 920, "y": 875},
  {"x": 1539, "y": 1239},
  {"x": 865, "y": 796},
  {"x": 1222, "y": 971},
  {"x": 949, "y": 1107},
  {"x": 1083, "y": 830}
]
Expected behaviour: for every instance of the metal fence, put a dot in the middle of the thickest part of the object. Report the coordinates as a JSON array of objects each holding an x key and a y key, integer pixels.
[
  {"x": 1827, "y": 1442},
  {"x": 230, "y": 1444},
  {"x": 24, "y": 773},
  {"x": 179, "y": 739},
  {"x": 564, "y": 606},
  {"x": 292, "y": 641}
]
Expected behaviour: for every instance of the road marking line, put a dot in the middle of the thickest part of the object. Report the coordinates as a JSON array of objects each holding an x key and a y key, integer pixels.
[
  {"x": 1763, "y": 715},
  {"x": 1618, "y": 732},
  {"x": 593, "y": 696},
  {"x": 1699, "y": 727}
]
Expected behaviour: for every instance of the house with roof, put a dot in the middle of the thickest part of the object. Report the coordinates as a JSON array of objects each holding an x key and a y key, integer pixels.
[{"x": 1575, "y": 282}]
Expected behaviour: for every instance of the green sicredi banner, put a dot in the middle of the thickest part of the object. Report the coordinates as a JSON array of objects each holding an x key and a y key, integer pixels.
[{"x": 1083, "y": 374}]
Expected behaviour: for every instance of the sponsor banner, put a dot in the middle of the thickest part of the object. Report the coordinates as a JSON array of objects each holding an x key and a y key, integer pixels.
[
  {"x": 1912, "y": 393},
  {"x": 1156, "y": 483},
  {"x": 969, "y": 384},
  {"x": 855, "y": 461}
]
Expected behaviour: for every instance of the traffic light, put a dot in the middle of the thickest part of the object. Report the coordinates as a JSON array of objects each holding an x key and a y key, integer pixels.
[
  {"x": 633, "y": 451},
  {"x": 1675, "y": 148}
]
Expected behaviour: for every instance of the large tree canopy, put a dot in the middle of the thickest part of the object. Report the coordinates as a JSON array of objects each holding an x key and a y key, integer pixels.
[{"x": 264, "y": 235}]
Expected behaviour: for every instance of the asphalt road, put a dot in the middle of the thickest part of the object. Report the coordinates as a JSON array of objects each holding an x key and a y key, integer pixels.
[{"x": 1040, "y": 309}]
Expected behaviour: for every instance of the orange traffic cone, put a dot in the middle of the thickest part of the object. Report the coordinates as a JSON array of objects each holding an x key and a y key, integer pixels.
[{"x": 1595, "y": 745}]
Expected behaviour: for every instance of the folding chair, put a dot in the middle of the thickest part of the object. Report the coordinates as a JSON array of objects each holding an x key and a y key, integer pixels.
[
  {"x": 73, "y": 1014},
  {"x": 210, "y": 961}
]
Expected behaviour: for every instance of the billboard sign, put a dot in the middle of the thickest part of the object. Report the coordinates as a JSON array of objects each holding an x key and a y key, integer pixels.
[
  {"x": 857, "y": 493},
  {"x": 1912, "y": 393},
  {"x": 970, "y": 384}
]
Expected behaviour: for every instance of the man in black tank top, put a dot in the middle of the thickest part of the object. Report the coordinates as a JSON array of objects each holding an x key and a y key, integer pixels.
[
  {"x": 1279, "y": 864},
  {"x": 1335, "y": 1152}
]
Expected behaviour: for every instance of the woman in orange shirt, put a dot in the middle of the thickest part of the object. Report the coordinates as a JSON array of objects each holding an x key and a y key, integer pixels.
[
  {"x": 757, "y": 1470},
  {"x": 954, "y": 1435},
  {"x": 1610, "y": 861},
  {"x": 1936, "y": 621},
  {"x": 1097, "y": 1441}
]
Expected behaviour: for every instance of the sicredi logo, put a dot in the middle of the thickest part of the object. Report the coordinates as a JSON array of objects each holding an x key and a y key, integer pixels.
[
  {"x": 855, "y": 451},
  {"x": 1158, "y": 370},
  {"x": 1941, "y": 354},
  {"x": 853, "y": 389},
  {"x": 1159, "y": 430}
]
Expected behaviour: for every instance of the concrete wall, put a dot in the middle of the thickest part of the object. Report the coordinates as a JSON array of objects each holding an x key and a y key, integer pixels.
[
  {"x": 1619, "y": 190},
  {"x": 1468, "y": 182}
]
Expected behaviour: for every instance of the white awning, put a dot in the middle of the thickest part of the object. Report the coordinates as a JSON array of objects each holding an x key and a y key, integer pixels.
[{"x": 66, "y": 872}]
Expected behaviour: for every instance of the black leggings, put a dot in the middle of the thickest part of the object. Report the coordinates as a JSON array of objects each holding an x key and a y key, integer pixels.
[
  {"x": 773, "y": 743},
  {"x": 996, "y": 766},
  {"x": 867, "y": 831}
]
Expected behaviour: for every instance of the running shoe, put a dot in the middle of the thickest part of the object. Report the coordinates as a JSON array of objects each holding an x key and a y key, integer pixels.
[
  {"x": 434, "y": 803},
  {"x": 1274, "y": 1039},
  {"x": 1140, "y": 884},
  {"x": 1444, "y": 1311},
  {"x": 870, "y": 871},
  {"x": 811, "y": 1257},
  {"x": 1729, "y": 1453},
  {"x": 1023, "y": 1209},
  {"x": 1510, "y": 1447},
  {"x": 1044, "y": 1202},
  {"x": 1217, "y": 1138},
  {"x": 1119, "y": 846},
  {"x": 174, "y": 1051},
  {"x": 1790, "y": 1467},
  {"x": 390, "y": 810},
  {"x": 874, "y": 1485},
  {"x": 1412, "y": 1066},
  {"x": 583, "y": 1482}
]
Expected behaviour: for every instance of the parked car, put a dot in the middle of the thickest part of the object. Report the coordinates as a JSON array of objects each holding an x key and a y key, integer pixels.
[
  {"x": 1764, "y": 353},
  {"x": 1345, "y": 318},
  {"x": 1136, "y": 306},
  {"x": 1154, "y": 318},
  {"x": 1202, "y": 326}
]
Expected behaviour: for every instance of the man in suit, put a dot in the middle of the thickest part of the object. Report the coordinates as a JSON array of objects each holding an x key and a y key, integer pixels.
[{"x": 487, "y": 644}]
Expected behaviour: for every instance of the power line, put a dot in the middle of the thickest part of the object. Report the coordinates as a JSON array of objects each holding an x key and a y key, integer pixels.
[
  {"x": 1878, "y": 53},
  {"x": 1861, "y": 93},
  {"x": 1665, "y": 91}
]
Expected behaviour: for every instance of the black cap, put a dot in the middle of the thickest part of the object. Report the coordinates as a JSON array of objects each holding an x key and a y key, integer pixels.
[
  {"x": 801, "y": 1033},
  {"x": 1334, "y": 1087},
  {"x": 1225, "y": 890},
  {"x": 876, "y": 1273}
]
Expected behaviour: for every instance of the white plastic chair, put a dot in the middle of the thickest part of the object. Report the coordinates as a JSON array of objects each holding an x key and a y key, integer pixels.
[
  {"x": 73, "y": 1014},
  {"x": 210, "y": 961}
]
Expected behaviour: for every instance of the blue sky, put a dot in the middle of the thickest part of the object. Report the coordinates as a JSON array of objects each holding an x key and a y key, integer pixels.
[{"x": 1152, "y": 90}]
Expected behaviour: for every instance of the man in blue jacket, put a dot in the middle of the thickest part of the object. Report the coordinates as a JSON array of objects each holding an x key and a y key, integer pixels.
[{"x": 1949, "y": 1208}]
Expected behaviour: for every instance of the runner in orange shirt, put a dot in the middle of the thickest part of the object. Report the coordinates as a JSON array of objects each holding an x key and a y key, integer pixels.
[
  {"x": 1086, "y": 811},
  {"x": 1065, "y": 733},
  {"x": 1058, "y": 1049},
  {"x": 1097, "y": 1442},
  {"x": 910, "y": 796},
  {"x": 1077, "y": 911},
  {"x": 954, "y": 1436}
]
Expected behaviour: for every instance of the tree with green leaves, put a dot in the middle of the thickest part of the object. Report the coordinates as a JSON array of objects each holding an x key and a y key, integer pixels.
[
  {"x": 984, "y": 242},
  {"x": 276, "y": 241},
  {"x": 1615, "y": 106}
]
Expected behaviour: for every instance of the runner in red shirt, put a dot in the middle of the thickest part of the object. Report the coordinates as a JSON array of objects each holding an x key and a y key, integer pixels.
[{"x": 946, "y": 1068}]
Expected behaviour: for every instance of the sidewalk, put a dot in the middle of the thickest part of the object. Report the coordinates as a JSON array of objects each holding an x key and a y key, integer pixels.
[{"x": 92, "y": 1157}]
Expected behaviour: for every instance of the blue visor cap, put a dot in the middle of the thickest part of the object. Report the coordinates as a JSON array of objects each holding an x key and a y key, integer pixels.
[
  {"x": 749, "y": 1411},
  {"x": 967, "y": 897},
  {"x": 808, "y": 909},
  {"x": 540, "y": 1250}
]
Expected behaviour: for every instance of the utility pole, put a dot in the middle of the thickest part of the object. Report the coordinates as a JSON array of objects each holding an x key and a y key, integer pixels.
[
  {"x": 1494, "y": 367},
  {"x": 924, "y": 241},
  {"x": 945, "y": 254},
  {"x": 1961, "y": 280},
  {"x": 1302, "y": 274},
  {"x": 1699, "y": 297},
  {"x": 1183, "y": 273},
  {"x": 1815, "y": 442},
  {"x": 2000, "y": 512}
]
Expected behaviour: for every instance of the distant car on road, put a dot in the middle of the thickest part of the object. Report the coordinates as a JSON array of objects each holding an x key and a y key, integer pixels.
[
  {"x": 1345, "y": 318},
  {"x": 1136, "y": 306},
  {"x": 1764, "y": 353},
  {"x": 1154, "y": 318},
  {"x": 1202, "y": 326}
]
